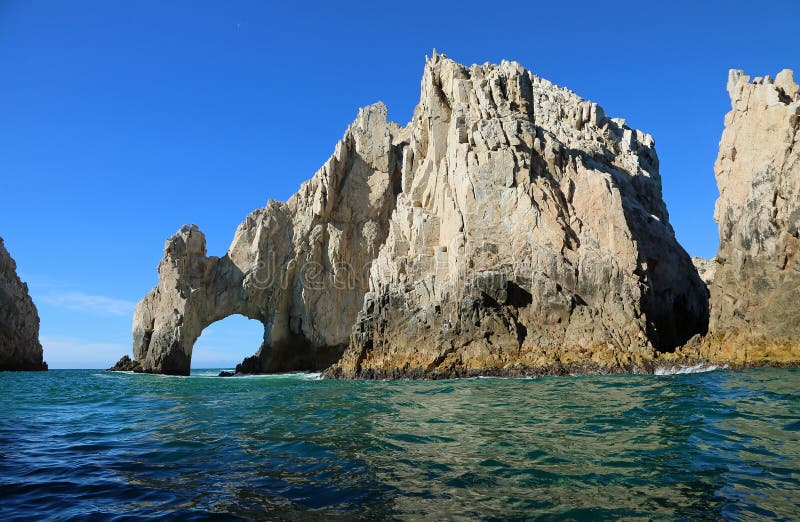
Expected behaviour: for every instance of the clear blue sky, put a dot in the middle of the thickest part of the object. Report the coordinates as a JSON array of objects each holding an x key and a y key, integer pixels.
[{"x": 120, "y": 121}]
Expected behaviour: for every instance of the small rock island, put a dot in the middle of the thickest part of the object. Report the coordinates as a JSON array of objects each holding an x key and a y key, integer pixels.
[{"x": 20, "y": 349}]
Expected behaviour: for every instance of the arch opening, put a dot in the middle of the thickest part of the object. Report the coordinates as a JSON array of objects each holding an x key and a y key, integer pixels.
[{"x": 224, "y": 343}]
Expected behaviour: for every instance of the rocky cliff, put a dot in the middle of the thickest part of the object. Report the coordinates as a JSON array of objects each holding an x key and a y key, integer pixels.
[
  {"x": 530, "y": 236},
  {"x": 510, "y": 227},
  {"x": 755, "y": 294},
  {"x": 19, "y": 320}
]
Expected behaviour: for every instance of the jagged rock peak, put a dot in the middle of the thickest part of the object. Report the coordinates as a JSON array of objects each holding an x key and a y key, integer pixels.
[{"x": 19, "y": 320}]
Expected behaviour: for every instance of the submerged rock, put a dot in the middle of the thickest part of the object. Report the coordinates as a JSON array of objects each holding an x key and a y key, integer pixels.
[
  {"x": 755, "y": 293},
  {"x": 530, "y": 236},
  {"x": 19, "y": 320}
]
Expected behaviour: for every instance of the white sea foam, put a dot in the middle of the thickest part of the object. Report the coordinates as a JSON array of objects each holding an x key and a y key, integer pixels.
[
  {"x": 680, "y": 369},
  {"x": 305, "y": 376}
]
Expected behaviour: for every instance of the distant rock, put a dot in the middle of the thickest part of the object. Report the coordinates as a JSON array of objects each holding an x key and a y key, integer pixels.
[
  {"x": 705, "y": 268},
  {"x": 126, "y": 364},
  {"x": 19, "y": 320},
  {"x": 225, "y": 373},
  {"x": 755, "y": 293}
]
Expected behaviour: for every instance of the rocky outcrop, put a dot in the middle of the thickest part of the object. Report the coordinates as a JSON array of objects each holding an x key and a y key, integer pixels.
[
  {"x": 756, "y": 288},
  {"x": 126, "y": 364},
  {"x": 298, "y": 267},
  {"x": 19, "y": 321},
  {"x": 510, "y": 228},
  {"x": 530, "y": 236}
]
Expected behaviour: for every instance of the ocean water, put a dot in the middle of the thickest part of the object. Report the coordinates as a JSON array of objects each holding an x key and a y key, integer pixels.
[{"x": 91, "y": 444}]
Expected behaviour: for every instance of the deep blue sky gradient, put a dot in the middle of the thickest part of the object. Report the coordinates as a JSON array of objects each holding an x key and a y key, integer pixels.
[{"x": 119, "y": 121}]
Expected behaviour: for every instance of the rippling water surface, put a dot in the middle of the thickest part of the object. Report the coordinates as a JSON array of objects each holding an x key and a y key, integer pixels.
[{"x": 711, "y": 445}]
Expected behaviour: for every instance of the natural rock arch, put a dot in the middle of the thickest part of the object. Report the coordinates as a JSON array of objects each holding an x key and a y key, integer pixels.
[
  {"x": 299, "y": 267},
  {"x": 224, "y": 343}
]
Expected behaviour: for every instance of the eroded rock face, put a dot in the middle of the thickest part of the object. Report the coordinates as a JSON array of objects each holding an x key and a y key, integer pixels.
[
  {"x": 755, "y": 295},
  {"x": 530, "y": 236},
  {"x": 19, "y": 321},
  {"x": 298, "y": 267}
]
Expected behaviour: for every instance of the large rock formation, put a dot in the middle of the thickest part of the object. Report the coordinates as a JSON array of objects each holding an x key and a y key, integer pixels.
[
  {"x": 298, "y": 267},
  {"x": 19, "y": 320},
  {"x": 510, "y": 227},
  {"x": 755, "y": 294},
  {"x": 530, "y": 236}
]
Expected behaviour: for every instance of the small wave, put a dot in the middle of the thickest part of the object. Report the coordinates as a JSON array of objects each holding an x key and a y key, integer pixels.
[
  {"x": 304, "y": 376},
  {"x": 211, "y": 372},
  {"x": 681, "y": 369}
]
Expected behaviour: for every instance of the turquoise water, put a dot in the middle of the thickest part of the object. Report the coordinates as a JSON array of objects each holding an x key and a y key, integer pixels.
[{"x": 708, "y": 445}]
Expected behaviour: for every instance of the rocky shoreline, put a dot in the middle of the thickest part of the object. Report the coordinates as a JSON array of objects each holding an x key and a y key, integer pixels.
[
  {"x": 510, "y": 229},
  {"x": 764, "y": 354},
  {"x": 668, "y": 367}
]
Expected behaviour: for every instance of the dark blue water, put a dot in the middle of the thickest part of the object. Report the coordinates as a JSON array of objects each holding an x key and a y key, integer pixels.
[{"x": 109, "y": 445}]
